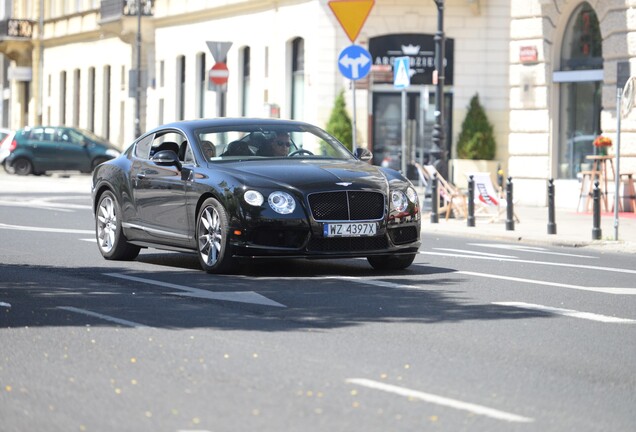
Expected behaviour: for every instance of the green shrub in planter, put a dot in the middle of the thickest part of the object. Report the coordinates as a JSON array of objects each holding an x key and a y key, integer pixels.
[
  {"x": 339, "y": 124},
  {"x": 476, "y": 139}
]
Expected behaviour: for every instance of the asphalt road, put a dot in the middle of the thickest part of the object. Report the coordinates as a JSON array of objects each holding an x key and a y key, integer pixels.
[{"x": 475, "y": 336}]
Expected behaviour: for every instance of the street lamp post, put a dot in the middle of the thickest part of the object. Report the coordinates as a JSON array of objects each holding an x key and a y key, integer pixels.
[
  {"x": 439, "y": 143},
  {"x": 138, "y": 73}
]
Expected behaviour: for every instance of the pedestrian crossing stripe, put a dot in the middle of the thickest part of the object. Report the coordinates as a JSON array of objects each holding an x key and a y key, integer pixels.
[{"x": 401, "y": 76}]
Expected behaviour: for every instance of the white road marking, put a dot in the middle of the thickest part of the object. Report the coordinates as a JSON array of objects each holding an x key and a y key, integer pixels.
[
  {"x": 375, "y": 282},
  {"x": 3, "y": 304},
  {"x": 440, "y": 400},
  {"x": 47, "y": 203},
  {"x": 102, "y": 316},
  {"x": 547, "y": 263},
  {"x": 41, "y": 229},
  {"x": 525, "y": 248},
  {"x": 568, "y": 312},
  {"x": 90, "y": 240},
  {"x": 606, "y": 290},
  {"x": 232, "y": 296},
  {"x": 475, "y": 253}
]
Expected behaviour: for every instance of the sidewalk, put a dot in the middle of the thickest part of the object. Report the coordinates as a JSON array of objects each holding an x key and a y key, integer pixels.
[{"x": 572, "y": 228}]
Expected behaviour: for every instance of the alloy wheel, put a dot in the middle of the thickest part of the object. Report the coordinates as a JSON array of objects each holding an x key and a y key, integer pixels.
[
  {"x": 210, "y": 236},
  {"x": 106, "y": 224}
]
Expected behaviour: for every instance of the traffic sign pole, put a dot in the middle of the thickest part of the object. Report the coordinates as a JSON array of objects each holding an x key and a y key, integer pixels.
[{"x": 354, "y": 124}]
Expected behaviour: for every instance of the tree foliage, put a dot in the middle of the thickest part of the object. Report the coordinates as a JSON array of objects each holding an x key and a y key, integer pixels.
[
  {"x": 476, "y": 139},
  {"x": 339, "y": 124}
]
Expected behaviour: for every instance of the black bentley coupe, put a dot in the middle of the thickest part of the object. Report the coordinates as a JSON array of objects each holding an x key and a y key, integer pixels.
[{"x": 227, "y": 189}]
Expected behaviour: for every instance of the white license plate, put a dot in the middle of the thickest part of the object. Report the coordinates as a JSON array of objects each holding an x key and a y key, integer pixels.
[{"x": 353, "y": 229}]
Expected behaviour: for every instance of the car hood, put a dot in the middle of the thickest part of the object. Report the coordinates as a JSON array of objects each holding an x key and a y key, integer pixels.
[{"x": 309, "y": 175}]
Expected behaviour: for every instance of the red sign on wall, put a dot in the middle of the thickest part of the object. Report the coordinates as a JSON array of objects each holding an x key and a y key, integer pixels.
[{"x": 528, "y": 54}]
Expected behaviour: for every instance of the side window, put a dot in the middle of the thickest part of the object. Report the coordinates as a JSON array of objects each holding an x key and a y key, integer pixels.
[
  {"x": 168, "y": 141},
  {"x": 61, "y": 135},
  {"x": 142, "y": 148},
  {"x": 75, "y": 137},
  {"x": 36, "y": 134},
  {"x": 185, "y": 153}
]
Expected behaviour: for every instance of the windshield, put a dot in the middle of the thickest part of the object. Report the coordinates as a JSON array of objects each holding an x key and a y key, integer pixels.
[{"x": 258, "y": 142}]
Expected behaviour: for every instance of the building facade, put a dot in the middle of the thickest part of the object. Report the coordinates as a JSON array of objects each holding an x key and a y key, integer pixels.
[{"x": 545, "y": 72}]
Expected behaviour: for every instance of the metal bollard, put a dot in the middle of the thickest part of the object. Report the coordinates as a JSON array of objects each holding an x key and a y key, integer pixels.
[
  {"x": 470, "y": 219},
  {"x": 552, "y": 228},
  {"x": 510, "y": 211},
  {"x": 596, "y": 212},
  {"x": 434, "y": 200}
]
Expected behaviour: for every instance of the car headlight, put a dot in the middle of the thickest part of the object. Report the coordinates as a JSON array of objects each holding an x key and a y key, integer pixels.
[
  {"x": 112, "y": 153},
  {"x": 411, "y": 194},
  {"x": 253, "y": 197},
  {"x": 281, "y": 202},
  {"x": 399, "y": 200}
]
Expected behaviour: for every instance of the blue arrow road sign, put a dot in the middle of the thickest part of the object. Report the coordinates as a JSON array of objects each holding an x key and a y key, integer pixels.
[
  {"x": 401, "y": 72},
  {"x": 354, "y": 62}
]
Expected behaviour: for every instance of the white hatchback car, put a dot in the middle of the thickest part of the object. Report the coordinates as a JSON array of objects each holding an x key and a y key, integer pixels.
[{"x": 6, "y": 136}]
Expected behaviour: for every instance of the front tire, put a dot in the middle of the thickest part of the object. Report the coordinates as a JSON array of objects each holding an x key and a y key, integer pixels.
[
  {"x": 111, "y": 241},
  {"x": 391, "y": 262},
  {"x": 213, "y": 235}
]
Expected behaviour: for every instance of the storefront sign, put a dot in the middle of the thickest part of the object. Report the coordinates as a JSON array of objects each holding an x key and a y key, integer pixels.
[
  {"x": 528, "y": 54},
  {"x": 420, "y": 48}
]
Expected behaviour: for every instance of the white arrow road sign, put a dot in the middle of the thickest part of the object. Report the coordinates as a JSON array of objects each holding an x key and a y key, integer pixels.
[
  {"x": 355, "y": 64},
  {"x": 240, "y": 296}
]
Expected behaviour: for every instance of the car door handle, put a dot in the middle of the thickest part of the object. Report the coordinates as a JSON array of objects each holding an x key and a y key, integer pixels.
[{"x": 141, "y": 176}]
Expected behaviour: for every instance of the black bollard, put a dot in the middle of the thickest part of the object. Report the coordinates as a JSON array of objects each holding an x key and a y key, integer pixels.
[
  {"x": 434, "y": 200},
  {"x": 596, "y": 212},
  {"x": 510, "y": 211},
  {"x": 552, "y": 229},
  {"x": 470, "y": 219}
]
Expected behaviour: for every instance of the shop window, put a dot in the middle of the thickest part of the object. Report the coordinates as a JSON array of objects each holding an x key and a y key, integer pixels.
[{"x": 580, "y": 81}]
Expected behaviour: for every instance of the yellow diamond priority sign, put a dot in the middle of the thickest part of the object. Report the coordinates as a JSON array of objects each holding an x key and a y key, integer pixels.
[{"x": 351, "y": 15}]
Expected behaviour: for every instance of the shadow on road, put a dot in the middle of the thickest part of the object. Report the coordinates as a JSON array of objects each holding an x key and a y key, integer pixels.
[{"x": 316, "y": 295}]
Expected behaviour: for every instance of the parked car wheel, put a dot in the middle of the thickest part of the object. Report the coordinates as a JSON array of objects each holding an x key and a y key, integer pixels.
[
  {"x": 97, "y": 161},
  {"x": 388, "y": 262},
  {"x": 110, "y": 238},
  {"x": 22, "y": 166},
  {"x": 213, "y": 238}
]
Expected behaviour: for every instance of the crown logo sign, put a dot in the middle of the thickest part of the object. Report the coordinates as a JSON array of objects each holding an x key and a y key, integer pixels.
[{"x": 410, "y": 49}]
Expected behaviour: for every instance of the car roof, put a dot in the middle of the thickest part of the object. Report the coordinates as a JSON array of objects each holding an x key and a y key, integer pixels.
[{"x": 229, "y": 121}]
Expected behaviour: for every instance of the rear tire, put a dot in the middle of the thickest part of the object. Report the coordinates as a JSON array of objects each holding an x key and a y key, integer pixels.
[
  {"x": 391, "y": 262},
  {"x": 111, "y": 241},
  {"x": 213, "y": 238},
  {"x": 96, "y": 162},
  {"x": 22, "y": 166}
]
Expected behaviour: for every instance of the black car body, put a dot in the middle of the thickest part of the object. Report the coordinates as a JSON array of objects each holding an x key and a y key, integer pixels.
[
  {"x": 318, "y": 200},
  {"x": 56, "y": 148}
]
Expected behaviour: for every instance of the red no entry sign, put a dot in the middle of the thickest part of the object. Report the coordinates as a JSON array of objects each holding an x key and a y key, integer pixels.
[{"x": 219, "y": 73}]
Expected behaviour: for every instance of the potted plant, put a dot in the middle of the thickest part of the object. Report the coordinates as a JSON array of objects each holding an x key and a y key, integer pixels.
[
  {"x": 476, "y": 144},
  {"x": 339, "y": 124},
  {"x": 602, "y": 143}
]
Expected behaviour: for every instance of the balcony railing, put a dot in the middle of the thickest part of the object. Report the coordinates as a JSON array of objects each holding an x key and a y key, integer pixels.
[{"x": 112, "y": 10}]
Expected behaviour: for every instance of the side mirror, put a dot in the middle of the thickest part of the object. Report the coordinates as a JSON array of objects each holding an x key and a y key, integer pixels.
[
  {"x": 167, "y": 158},
  {"x": 363, "y": 154}
]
